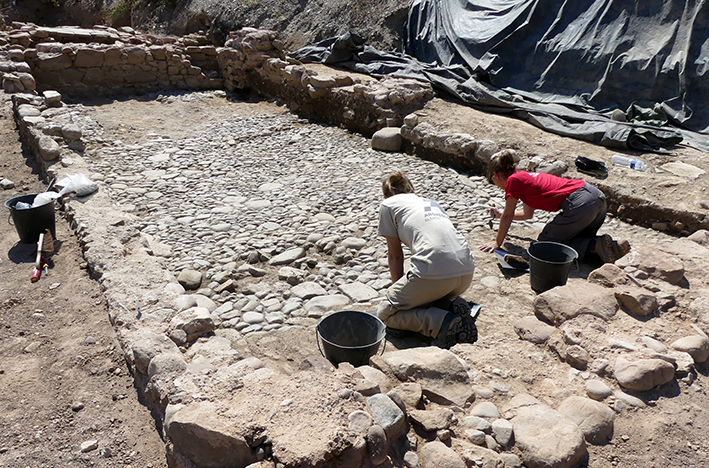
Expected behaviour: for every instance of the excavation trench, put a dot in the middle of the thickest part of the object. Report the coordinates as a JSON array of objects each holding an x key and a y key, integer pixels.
[{"x": 119, "y": 240}]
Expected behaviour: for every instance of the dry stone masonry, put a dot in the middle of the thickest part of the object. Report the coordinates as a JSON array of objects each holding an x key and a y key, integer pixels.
[
  {"x": 107, "y": 60},
  {"x": 236, "y": 240},
  {"x": 122, "y": 61}
]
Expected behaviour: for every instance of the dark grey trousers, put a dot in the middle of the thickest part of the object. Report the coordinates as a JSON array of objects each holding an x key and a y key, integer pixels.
[{"x": 581, "y": 216}]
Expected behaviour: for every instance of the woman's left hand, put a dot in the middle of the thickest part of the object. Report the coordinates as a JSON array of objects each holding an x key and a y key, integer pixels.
[{"x": 489, "y": 246}]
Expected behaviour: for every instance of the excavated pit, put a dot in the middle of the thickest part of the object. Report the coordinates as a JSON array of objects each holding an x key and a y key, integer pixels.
[{"x": 433, "y": 129}]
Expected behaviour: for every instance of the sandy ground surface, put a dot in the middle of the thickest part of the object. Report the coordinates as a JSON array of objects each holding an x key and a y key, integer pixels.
[{"x": 63, "y": 381}]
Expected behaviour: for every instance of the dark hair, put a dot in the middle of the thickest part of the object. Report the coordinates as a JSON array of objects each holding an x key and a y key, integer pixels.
[
  {"x": 503, "y": 162},
  {"x": 396, "y": 183}
]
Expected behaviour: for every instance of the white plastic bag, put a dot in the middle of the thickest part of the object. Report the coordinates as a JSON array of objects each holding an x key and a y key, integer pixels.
[
  {"x": 44, "y": 198},
  {"x": 77, "y": 183}
]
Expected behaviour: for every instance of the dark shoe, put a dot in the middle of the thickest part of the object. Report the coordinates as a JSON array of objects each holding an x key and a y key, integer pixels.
[
  {"x": 397, "y": 334},
  {"x": 468, "y": 331},
  {"x": 604, "y": 248},
  {"x": 463, "y": 308},
  {"x": 460, "y": 307},
  {"x": 449, "y": 331},
  {"x": 456, "y": 330}
]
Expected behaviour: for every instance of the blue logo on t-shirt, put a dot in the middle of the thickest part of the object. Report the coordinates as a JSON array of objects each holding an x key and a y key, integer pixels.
[{"x": 432, "y": 210}]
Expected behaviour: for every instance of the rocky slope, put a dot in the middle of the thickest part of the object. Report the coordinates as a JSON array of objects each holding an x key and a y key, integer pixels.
[{"x": 301, "y": 22}]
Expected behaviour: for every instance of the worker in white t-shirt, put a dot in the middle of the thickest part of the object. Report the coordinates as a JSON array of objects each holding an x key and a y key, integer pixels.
[{"x": 441, "y": 270}]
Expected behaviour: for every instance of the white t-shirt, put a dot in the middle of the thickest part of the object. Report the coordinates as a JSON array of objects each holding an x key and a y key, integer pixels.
[{"x": 438, "y": 250}]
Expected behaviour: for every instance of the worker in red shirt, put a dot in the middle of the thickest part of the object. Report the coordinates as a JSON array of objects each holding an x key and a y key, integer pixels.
[{"x": 581, "y": 206}]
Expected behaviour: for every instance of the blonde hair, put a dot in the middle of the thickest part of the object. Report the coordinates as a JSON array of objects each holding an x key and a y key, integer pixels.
[
  {"x": 503, "y": 162},
  {"x": 396, "y": 183}
]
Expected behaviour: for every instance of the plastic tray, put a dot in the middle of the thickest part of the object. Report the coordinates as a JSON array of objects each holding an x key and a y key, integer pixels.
[{"x": 501, "y": 254}]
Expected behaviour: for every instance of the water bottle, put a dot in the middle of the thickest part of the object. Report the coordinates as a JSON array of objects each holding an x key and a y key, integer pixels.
[
  {"x": 22, "y": 206},
  {"x": 625, "y": 161}
]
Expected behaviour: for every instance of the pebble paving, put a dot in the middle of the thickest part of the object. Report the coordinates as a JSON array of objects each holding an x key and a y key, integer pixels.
[{"x": 249, "y": 190}]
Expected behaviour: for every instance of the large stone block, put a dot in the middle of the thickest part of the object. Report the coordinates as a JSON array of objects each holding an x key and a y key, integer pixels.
[
  {"x": 387, "y": 139},
  {"x": 195, "y": 322},
  {"x": 94, "y": 76},
  {"x": 27, "y": 81},
  {"x": 656, "y": 263},
  {"x": 135, "y": 55},
  {"x": 441, "y": 375},
  {"x": 545, "y": 438},
  {"x": 88, "y": 58},
  {"x": 49, "y": 149},
  {"x": 112, "y": 56},
  {"x": 71, "y": 75},
  {"x": 387, "y": 415},
  {"x": 55, "y": 62},
  {"x": 696, "y": 346},
  {"x": 594, "y": 419},
  {"x": 436, "y": 455},
  {"x": 201, "y": 435},
  {"x": 638, "y": 301},
  {"x": 573, "y": 299},
  {"x": 158, "y": 52}
]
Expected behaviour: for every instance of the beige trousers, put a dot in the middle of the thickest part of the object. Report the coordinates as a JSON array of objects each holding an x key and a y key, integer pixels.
[{"x": 408, "y": 302}]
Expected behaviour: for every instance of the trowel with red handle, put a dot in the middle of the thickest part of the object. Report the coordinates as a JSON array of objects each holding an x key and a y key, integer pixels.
[
  {"x": 45, "y": 247},
  {"x": 37, "y": 272}
]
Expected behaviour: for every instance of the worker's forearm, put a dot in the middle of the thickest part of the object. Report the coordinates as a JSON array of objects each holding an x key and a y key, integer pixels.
[
  {"x": 396, "y": 268},
  {"x": 505, "y": 223}
]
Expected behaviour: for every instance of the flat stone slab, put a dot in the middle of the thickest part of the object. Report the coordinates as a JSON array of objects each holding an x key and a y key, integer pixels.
[
  {"x": 441, "y": 375},
  {"x": 683, "y": 170},
  {"x": 358, "y": 292},
  {"x": 308, "y": 290},
  {"x": 287, "y": 257},
  {"x": 322, "y": 304}
]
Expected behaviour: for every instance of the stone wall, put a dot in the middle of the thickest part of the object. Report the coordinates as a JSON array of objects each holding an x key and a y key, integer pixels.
[
  {"x": 106, "y": 61},
  {"x": 120, "y": 61},
  {"x": 206, "y": 428},
  {"x": 255, "y": 59}
]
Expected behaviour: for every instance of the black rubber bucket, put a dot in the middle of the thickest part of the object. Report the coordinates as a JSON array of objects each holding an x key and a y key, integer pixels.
[
  {"x": 549, "y": 265},
  {"x": 350, "y": 336},
  {"x": 31, "y": 222}
]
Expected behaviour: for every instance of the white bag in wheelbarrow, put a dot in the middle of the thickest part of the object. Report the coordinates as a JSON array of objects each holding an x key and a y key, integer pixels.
[{"x": 77, "y": 183}]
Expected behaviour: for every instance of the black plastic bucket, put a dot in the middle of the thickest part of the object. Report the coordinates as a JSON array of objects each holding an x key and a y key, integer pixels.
[
  {"x": 350, "y": 336},
  {"x": 549, "y": 265},
  {"x": 31, "y": 222}
]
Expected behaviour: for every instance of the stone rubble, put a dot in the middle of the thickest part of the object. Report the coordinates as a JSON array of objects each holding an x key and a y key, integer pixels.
[{"x": 235, "y": 237}]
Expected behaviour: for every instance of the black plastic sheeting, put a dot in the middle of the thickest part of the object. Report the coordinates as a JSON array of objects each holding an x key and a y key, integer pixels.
[{"x": 561, "y": 65}]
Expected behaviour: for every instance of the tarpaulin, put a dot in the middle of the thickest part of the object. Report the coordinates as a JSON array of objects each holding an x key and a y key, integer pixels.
[{"x": 561, "y": 65}]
